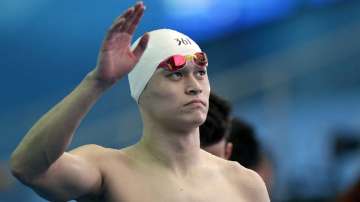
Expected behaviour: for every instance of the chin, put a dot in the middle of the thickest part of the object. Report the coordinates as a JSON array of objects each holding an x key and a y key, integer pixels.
[
  {"x": 188, "y": 119},
  {"x": 187, "y": 123},
  {"x": 197, "y": 119}
]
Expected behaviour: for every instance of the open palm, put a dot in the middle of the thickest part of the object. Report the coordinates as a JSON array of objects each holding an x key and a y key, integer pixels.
[{"x": 116, "y": 58}]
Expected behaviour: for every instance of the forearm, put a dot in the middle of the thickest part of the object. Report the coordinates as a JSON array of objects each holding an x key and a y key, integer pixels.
[{"x": 48, "y": 139}]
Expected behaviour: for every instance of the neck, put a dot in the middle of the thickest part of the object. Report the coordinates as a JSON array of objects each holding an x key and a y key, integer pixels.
[{"x": 176, "y": 150}]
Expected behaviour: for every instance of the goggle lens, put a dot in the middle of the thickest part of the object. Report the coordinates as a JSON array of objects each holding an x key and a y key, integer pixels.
[{"x": 177, "y": 62}]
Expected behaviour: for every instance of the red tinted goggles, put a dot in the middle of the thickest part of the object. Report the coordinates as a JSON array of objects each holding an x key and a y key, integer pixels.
[{"x": 176, "y": 62}]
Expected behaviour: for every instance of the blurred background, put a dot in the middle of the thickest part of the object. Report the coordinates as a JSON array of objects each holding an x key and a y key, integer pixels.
[{"x": 290, "y": 67}]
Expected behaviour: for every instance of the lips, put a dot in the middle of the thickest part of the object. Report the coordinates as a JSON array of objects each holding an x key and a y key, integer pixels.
[{"x": 196, "y": 101}]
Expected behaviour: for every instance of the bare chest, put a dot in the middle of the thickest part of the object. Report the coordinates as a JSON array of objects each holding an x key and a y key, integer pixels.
[{"x": 139, "y": 187}]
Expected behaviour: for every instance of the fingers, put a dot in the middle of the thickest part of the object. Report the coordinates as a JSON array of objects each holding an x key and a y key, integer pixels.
[
  {"x": 129, "y": 20},
  {"x": 135, "y": 20},
  {"x": 120, "y": 21},
  {"x": 126, "y": 14},
  {"x": 141, "y": 46}
]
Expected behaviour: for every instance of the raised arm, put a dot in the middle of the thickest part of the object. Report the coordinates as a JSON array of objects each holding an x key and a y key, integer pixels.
[{"x": 40, "y": 160}]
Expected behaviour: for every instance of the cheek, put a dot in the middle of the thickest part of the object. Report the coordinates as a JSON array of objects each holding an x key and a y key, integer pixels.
[
  {"x": 162, "y": 95},
  {"x": 206, "y": 84},
  {"x": 206, "y": 89}
]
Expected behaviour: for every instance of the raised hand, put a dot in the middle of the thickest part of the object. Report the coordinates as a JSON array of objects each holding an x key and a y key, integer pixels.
[{"x": 116, "y": 58}]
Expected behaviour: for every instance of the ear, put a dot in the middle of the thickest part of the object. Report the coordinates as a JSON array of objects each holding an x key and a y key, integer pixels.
[{"x": 228, "y": 150}]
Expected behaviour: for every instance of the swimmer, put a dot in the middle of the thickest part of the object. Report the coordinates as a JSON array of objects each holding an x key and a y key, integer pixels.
[{"x": 168, "y": 80}]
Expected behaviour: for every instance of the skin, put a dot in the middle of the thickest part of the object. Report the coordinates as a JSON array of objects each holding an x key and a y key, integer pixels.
[
  {"x": 221, "y": 149},
  {"x": 167, "y": 164}
]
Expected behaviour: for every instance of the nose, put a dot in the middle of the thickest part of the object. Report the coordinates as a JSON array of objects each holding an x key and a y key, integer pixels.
[{"x": 193, "y": 86}]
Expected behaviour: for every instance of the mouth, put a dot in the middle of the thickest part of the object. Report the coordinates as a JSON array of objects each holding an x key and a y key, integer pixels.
[{"x": 196, "y": 102}]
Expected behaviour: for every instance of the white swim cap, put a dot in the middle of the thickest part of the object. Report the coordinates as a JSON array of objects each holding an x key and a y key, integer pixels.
[{"x": 162, "y": 44}]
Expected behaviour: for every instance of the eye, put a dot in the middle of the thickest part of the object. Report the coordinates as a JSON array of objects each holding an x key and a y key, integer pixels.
[
  {"x": 175, "y": 75},
  {"x": 201, "y": 73}
]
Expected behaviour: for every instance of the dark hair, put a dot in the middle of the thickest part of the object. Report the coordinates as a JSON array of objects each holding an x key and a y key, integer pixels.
[
  {"x": 217, "y": 123},
  {"x": 246, "y": 149}
]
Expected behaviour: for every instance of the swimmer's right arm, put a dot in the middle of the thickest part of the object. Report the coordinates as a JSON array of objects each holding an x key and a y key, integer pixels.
[{"x": 40, "y": 160}]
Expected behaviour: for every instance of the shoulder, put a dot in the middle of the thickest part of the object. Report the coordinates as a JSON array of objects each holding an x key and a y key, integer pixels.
[
  {"x": 241, "y": 173},
  {"x": 230, "y": 168},
  {"x": 248, "y": 181},
  {"x": 94, "y": 153},
  {"x": 89, "y": 151}
]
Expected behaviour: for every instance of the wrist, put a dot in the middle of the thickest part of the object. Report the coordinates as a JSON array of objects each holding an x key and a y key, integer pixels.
[{"x": 98, "y": 82}]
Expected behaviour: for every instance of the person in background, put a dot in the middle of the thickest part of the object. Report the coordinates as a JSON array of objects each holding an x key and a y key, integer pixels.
[{"x": 215, "y": 131}]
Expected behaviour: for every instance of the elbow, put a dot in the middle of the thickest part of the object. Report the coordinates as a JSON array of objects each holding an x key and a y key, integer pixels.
[
  {"x": 17, "y": 168},
  {"x": 27, "y": 168}
]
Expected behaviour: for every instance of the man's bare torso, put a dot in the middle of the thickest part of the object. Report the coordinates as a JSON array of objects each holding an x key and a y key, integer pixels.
[{"x": 129, "y": 178}]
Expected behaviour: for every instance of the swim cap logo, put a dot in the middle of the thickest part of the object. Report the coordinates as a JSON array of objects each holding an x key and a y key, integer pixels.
[{"x": 183, "y": 41}]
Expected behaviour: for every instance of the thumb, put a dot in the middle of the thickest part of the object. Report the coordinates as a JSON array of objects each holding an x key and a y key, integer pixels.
[{"x": 141, "y": 46}]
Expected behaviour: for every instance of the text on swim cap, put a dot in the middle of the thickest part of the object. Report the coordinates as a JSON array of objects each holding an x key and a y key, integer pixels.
[{"x": 183, "y": 41}]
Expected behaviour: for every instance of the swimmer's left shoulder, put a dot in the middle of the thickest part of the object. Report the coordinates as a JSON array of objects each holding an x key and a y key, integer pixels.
[{"x": 247, "y": 180}]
